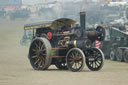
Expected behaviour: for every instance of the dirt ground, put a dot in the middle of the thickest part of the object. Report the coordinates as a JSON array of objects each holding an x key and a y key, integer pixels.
[{"x": 15, "y": 68}]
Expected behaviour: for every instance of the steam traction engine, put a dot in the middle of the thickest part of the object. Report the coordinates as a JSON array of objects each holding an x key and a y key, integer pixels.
[{"x": 65, "y": 44}]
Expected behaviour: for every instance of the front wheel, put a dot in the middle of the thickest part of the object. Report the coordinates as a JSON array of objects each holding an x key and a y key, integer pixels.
[
  {"x": 75, "y": 59},
  {"x": 94, "y": 59}
]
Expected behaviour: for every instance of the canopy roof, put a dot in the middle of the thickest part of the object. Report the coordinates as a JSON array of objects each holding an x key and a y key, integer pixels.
[
  {"x": 56, "y": 24},
  {"x": 63, "y": 22}
]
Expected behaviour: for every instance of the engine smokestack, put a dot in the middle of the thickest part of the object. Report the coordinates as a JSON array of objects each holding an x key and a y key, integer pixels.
[{"x": 83, "y": 22}]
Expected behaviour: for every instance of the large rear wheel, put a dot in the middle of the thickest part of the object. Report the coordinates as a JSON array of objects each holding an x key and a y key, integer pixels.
[
  {"x": 61, "y": 66},
  {"x": 40, "y": 54}
]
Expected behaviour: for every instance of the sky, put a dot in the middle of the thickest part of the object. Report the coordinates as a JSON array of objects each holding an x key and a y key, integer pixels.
[{"x": 40, "y": 1}]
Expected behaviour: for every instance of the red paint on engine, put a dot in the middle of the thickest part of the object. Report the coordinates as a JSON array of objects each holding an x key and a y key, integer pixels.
[{"x": 49, "y": 34}]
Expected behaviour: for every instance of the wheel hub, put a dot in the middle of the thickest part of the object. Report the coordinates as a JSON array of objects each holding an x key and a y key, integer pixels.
[
  {"x": 74, "y": 59},
  {"x": 92, "y": 58},
  {"x": 39, "y": 53}
]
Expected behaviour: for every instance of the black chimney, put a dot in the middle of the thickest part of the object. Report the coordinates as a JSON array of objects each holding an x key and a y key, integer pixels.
[{"x": 83, "y": 22}]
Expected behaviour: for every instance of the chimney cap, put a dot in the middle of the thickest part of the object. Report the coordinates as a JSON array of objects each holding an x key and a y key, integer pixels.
[{"x": 82, "y": 13}]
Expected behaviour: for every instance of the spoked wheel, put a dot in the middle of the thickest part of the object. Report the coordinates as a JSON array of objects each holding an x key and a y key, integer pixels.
[
  {"x": 119, "y": 55},
  {"x": 126, "y": 55},
  {"x": 75, "y": 59},
  {"x": 40, "y": 54},
  {"x": 112, "y": 55},
  {"x": 61, "y": 66},
  {"x": 94, "y": 59}
]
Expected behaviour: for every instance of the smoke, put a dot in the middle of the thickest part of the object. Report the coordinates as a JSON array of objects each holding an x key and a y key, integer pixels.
[
  {"x": 60, "y": 9},
  {"x": 70, "y": 9},
  {"x": 44, "y": 10}
]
